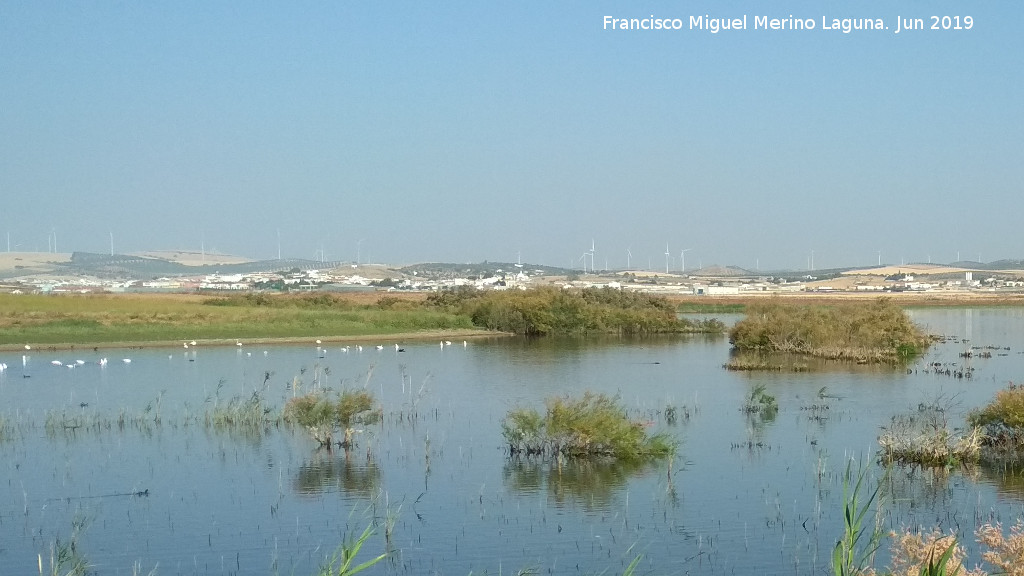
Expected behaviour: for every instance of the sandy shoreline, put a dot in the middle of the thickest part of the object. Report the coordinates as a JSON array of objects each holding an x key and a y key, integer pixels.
[{"x": 388, "y": 340}]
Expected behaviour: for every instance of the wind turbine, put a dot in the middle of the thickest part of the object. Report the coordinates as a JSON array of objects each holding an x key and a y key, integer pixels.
[
  {"x": 682, "y": 259},
  {"x": 111, "y": 243},
  {"x": 667, "y": 256},
  {"x": 593, "y": 266},
  {"x": 628, "y": 255}
]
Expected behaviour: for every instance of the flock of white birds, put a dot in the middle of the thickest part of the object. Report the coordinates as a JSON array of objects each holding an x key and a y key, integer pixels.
[{"x": 192, "y": 344}]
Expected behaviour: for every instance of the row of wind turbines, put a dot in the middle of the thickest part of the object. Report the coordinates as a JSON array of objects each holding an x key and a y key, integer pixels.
[{"x": 629, "y": 258}]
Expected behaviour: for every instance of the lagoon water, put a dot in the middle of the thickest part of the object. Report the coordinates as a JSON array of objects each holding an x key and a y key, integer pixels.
[{"x": 744, "y": 495}]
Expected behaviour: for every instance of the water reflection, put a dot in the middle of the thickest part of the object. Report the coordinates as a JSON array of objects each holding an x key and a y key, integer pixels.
[
  {"x": 327, "y": 471},
  {"x": 1008, "y": 481},
  {"x": 592, "y": 484}
]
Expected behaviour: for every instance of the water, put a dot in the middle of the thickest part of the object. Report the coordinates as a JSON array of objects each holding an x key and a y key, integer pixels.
[{"x": 744, "y": 495}]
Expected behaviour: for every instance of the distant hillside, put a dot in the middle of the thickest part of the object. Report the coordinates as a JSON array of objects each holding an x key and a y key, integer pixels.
[
  {"x": 123, "y": 266},
  {"x": 722, "y": 272},
  {"x": 447, "y": 271}
]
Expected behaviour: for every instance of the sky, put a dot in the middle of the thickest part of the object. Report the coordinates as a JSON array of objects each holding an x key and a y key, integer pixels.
[{"x": 403, "y": 132}]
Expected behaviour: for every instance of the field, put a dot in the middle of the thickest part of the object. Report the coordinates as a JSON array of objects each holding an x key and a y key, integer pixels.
[{"x": 149, "y": 319}]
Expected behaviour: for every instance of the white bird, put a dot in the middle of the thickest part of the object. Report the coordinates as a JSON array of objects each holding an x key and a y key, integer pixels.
[
  {"x": 186, "y": 345},
  {"x": 345, "y": 349},
  {"x": 360, "y": 348},
  {"x": 447, "y": 342},
  {"x": 379, "y": 347},
  {"x": 79, "y": 362},
  {"x": 56, "y": 362},
  {"x": 237, "y": 343},
  {"x": 318, "y": 342},
  {"x": 464, "y": 344},
  {"x": 3, "y": 366},
  {"x": 442, "y": 345},
  {"x": 193, "y": 342},
  {"x": 396, "y": 347},
  {"x": 70, "y": 365},
  {"x": 264, "y": 352},
  {"x": 27, "y": 347},
  {"x": 126, "y": 360},
  {"x": 103, "y": 361}
]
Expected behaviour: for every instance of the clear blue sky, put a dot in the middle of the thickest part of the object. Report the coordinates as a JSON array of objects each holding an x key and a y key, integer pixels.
[{"x": 440, "y": 131}]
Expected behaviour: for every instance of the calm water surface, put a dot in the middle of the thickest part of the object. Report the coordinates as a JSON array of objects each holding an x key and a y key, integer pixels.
[{"x": 744, "y": 495}]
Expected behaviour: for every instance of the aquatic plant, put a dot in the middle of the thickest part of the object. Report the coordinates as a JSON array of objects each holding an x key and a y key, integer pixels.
[
  {"x": 876, "y": 331},
  {"x": 594, "y": 425},
  {"x": 759, "y": 401},
  {"x": 340, "y": 562},
  {"x": 854, "y": 552},
  {"x": 923, "y": 437},
  {"x": 65, "y": 560},
  {"x": 321, "y": 416}
]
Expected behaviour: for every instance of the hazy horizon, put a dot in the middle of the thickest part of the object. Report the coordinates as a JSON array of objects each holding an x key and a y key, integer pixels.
[{"x": 461, "y": 132}]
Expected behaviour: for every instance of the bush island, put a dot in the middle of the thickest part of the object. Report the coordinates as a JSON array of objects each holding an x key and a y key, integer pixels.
[
  {"x": 592, "y": 426},
  {"x": 877, "y": 331},
  {"x": 549, "y": 310}
]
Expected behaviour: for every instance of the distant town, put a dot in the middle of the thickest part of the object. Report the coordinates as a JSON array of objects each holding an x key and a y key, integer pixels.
[{"x": 186, "y": 272}]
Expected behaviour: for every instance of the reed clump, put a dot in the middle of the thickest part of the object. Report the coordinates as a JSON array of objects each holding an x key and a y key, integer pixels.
[
  {"x": 322, "y": 415},
  {"x": 250, "y": 414},
  {"x": 923, "y": 437},
  {"x": 556, "y": 311},
  {"x": 876, "y": 331},
  {"x": 594, "y": 425},
  {"x": 760, "y": 402}
]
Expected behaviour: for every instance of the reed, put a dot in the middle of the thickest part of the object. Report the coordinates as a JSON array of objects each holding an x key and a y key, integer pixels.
[
  {"x": 251, "y": 415},
  {"x": 341, "y": 561},
  {"x": 854, "y": 552},
  {"x": 924, "y": 437}
]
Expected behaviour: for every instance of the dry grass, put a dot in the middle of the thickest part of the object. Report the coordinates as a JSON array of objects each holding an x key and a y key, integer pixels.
[{"x": 912, "y": 552}]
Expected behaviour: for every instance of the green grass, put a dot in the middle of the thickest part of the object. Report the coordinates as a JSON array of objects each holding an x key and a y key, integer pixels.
[{"x": 98, "y": 319}]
